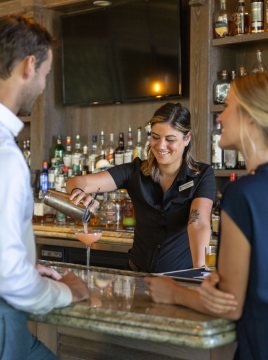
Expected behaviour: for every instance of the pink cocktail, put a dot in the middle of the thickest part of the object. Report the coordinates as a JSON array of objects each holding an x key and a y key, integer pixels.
[{"x": 88, "y": 238}]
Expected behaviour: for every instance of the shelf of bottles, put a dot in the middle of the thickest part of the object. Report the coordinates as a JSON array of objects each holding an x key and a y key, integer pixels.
[{"x": 116, "y": 209}]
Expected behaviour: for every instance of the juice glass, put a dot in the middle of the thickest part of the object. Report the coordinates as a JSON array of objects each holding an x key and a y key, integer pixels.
[
  {"x": 210, "y": 258},
  {"x": 88, "y": 238}
]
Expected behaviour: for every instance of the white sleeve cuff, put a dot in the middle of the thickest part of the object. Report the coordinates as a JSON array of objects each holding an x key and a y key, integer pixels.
[{"x": 65, "y": 295}]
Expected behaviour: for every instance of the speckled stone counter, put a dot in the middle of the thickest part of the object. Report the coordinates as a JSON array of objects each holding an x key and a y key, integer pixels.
[{"x": 120, "y": 308}]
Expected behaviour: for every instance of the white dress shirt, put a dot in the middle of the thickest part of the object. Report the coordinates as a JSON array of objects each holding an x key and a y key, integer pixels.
[{"x": 20, "y": 283}]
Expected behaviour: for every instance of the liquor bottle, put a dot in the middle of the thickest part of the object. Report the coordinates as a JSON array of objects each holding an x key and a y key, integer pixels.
[
  {"x": 44, "y": 178},
  {"x": 119, "y": 152},
  {"x": 113, "y": 212},
  {"x": 233, "y": 75},
  {"x": 76, "y": 154},
  {"x": 138, "y": 151},
  {"x": 27, "y": 152},
  {"x": 109, "y": 152},
  {"x": 216, "y": 160},
  {"x": 229, "y": 157},
  {"x": 93, "y": 154},
  {"x": 85, "y": 159},
  {"x": 216, "y": 216},
  {"x": 239, "y": 19},
  {"x": 148, "y": 129},
  {"x": 232, "y": 177},
  {"x": 128, "y": 154},
  {"x": 52, "y": 173},
  {"x": 129, "y": 220},
  {"x": 259, "y": 66},
  {"x": 102, "y": 199},
  {"x": 39, "y": 208},
  {"x": 221, "y": 89},
  {"x": 257, "y": 23},
  {"x": 247, "y": 23},
  {"x": 24, "y": 150},
  {"x": 59, "y": 150},
  {"x": 223, "y": 23},
  {"x": 241, "y": 164},
  {"x": 101, "y": 149},
  {"x": 67, "y": 156}
]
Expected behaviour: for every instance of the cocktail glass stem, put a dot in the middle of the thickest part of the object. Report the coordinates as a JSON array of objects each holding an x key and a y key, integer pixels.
[{"x": 88, "y": 255}]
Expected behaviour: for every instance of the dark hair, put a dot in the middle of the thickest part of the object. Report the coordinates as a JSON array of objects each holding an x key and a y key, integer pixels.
[
  {"x": 179, "y": 118},
  {"x": 20, "y": 37}
]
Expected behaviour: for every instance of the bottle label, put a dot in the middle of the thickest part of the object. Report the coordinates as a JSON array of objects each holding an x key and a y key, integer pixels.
[
  {"x": 230, "y": 158},
  {"x": 111, "y": 215},
  {"x": 119, "y": 159},
  {"x": 60, "y": 217},
  {"x": 110, "y": 157},
  {"x": 215, "y": 223},
  {"x": 128, "y": 156},
  {"x": 221, "y": 26},
  {"x": 51, "y": 178},
  {"x": 58, "y": 187},
  {"x": 240, "y": 23},
  {"x": 240, "y": 157},
  {"x": 75, "y": 159},
  {"x": 67, "y": 161},
  {"x": 216, "y": 150},
  {"x": 39, "y": 209},
  {"x": 257, "y": 14}
]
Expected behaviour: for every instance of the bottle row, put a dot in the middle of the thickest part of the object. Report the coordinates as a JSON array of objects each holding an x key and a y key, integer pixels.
[
  {"x": 240, "y": 22},
  {"x": 115, "y": 211},
  {"x": 222, "y": 86},
  {"x": 224, "y": 159}
]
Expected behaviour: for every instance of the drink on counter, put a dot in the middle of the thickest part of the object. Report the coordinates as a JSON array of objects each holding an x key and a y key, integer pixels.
[
  {"x": 88, "y": 238},
  {"x": 210, "y": 258}
]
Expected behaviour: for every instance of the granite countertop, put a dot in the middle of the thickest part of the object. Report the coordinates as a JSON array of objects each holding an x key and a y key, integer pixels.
[
  {"x": 120, "y": 305},
  {"x": 67, "y": 232}
]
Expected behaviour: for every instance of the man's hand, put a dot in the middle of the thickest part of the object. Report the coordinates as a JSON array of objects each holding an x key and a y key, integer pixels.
[
  {"x": 77, "y": 286},
  {"x": 163, "y": 289},
  {"x": 48, "y": 272},
  {"x": 216, "y": 300}
]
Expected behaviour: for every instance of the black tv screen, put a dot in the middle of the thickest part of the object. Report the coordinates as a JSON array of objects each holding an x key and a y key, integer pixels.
[{"x": 122, "y": 53}]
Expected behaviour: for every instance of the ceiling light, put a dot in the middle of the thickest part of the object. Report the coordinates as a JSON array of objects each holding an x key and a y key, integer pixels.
[{"x": 102, "y": 3}]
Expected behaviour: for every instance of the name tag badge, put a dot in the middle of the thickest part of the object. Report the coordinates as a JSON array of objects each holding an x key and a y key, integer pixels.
[{"x": 186, "y": 186}]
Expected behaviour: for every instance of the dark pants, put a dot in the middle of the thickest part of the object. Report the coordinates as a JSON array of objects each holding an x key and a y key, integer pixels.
[{"x": 16, "y": 340}]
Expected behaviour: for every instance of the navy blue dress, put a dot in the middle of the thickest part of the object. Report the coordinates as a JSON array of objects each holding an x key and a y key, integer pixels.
[{"x": 246, "y": 202}]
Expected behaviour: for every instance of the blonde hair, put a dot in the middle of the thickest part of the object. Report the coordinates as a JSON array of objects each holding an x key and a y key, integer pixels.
[
  {"x": 251, "y": 93},
  {"x": 179, "y": 118}
]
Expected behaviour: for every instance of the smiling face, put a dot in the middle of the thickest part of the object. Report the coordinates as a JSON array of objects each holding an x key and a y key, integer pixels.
[
  {"x": 167, "y": 144},
  {"x": 35, "y": 87}
]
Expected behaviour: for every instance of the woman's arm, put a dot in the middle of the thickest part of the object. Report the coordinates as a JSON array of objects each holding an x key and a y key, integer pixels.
[
  {"x": 233, "y": 268},
  {"x": 199, "y": 229},
  {"x": 89, "y": 184}
]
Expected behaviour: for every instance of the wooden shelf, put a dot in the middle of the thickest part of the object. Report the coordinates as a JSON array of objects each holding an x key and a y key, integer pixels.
[
  {"x": 233, "y": 40},
  {"x": 226, "y": 173},
  {"x": 25, "y": 119},
  {"x": 197, "y": 2},
  {"x": 216, "y": 108}
]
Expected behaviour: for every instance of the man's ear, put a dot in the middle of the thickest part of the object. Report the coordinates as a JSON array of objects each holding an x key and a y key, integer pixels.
[{"x": 29, "y": 67}]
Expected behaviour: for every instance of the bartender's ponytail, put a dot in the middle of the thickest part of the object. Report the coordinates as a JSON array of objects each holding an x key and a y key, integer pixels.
[{"x": 179, "y": 118}]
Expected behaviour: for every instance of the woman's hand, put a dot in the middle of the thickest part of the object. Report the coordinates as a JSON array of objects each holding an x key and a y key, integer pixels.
[
  {"x": 163, "y": 289},
  {"x": 216, "y": 300},
  {"x": 79, "y": 195}
]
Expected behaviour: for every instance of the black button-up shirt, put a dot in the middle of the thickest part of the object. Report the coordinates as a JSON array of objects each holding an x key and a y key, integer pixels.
[{"x": 161, "y": 240}]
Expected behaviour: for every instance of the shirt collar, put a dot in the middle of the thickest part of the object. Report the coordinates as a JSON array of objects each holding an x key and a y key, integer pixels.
[
  {"x": 184, "y": 171},
  {"x": 10, "y": 120}
]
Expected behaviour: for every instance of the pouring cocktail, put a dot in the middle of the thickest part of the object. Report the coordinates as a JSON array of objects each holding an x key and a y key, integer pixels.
[{"x": 88, "y": 238}]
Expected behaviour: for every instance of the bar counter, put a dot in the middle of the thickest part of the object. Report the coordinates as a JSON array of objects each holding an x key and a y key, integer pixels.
[{"x": 121, "y": 322}]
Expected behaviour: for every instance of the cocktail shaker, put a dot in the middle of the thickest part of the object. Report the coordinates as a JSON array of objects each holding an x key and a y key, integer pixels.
[{"x": 61, "y": 202}]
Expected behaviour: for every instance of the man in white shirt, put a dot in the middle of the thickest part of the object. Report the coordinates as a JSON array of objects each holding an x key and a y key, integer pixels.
[{"x": 25, "y": 61}]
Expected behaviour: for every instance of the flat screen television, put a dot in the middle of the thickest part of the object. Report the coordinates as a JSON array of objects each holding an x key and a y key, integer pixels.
[{"x": 122, "y": 53}]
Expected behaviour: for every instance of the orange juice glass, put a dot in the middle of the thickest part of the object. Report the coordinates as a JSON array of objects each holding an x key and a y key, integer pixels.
[{"x": 210, "y": 258}]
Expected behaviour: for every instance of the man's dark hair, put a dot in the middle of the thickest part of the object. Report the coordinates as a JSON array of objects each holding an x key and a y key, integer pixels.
[{"x": 20, "y": 37}]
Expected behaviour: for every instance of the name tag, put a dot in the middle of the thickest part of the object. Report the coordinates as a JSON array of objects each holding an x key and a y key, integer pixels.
[{"x": 186, "y": 186}]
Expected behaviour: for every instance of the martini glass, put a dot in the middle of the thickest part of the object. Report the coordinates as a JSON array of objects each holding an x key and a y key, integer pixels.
[{"x": 88, "y": 238}]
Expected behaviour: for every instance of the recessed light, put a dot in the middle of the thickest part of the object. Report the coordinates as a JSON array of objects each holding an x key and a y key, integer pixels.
[{"x": 102, "y": 3}]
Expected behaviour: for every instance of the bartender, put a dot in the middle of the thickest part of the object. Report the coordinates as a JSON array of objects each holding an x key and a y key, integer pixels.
[{"x": 172, "y": 195}]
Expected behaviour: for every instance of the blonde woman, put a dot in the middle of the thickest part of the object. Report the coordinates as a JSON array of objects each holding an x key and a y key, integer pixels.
[
  {"x": 243, "y": 245},
  {"x": 172, "y": 196}
]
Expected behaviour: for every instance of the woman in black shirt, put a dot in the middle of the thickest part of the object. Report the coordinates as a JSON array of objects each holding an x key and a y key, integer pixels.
[{"x": 171, "y": 193}]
